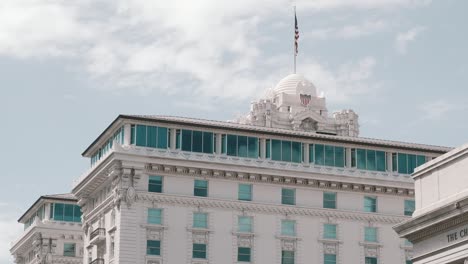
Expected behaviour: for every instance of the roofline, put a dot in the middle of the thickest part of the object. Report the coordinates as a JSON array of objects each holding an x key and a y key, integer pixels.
[
  {"x": 325, "y": 137},
  {"x": 45, "y": 197}
]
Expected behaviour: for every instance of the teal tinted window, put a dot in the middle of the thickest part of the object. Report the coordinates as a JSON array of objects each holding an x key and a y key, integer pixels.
[
  {"x": 231, "y": 145},
  {"x": 288, "y": 196},
  {"x": 141, "y": 135},
  {"x": 154, "y": 216},
  {"x": 199, "y": 251},
  {"x": 268, "y": 149},
  {"x": 132, "y": 134},
  {"x": 394, "y": 162},
  {"x": 242, "y": 148},
  {"x": 329, "y": 156},
  {"x": 275, "y": 149},
  {"x": 68, "y": 212},
  {"x": 245, "y": 192},
  {"x": 406, "y": 163},
  {"x": 361, "y": 159},
  {"x": 208, "y": 140},
  {"x": 288, "y": 228},
  {"x": 151, "y": 136},
  {"x": 409, "y": 262},
  {"x": 329, "y": 259},
  {"x": 69, "y": 249},
  {"x": 409, "y": 207},
  {"x": 197, "y": 141},
  {"x": 58, "y": 211},
  {"x": 187, "y": 140},
  {"x": 371, "y": 160},
  {"x": 329, "y": 231},
  {"x": 243, "y": 254},
  {"x": 76, "y": 214},
  {"x": 200, "y": 220},
  {"x": 370, "y": 260},
  {"x": 287, "y": 257},
  {"x": 367, "y": 159},
  {"x": 286, "y": 150},
  {"x": 311, "y": 153},
  {"x": 402, "y": 163},
  {"x": 155, "y": 184},
  {"x": 223, "y": 144},
  {"x": 296, "y": 155},
  {"x": 245, "y": 224},
  {"x": 420, "y": 160},
  {"x": 253, "y": 147},
  {"x": 370, "y": 234},
  {"x": 380, "y": 160},
  {"x": 200, "y": 188},
  {"x": 339, "y": 157},
  {"x": 178, "y": 138},
  {"x": 370, "y": 204},
  {"x": 162, "y": 137},
  {"x": 153, "y": 247},
  {"x": 329, "y": 200}
]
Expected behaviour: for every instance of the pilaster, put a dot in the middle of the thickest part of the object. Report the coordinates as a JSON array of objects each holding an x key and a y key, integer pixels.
[
  {"x": 127, "y": 134},
  {"x": 262, "y": 148}
]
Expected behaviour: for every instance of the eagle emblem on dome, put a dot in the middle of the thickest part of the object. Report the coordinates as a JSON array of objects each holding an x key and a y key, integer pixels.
[{"x": 305, "y": 99}]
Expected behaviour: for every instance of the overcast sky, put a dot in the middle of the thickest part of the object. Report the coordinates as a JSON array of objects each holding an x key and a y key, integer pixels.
[{"x": 68, "y": 68}]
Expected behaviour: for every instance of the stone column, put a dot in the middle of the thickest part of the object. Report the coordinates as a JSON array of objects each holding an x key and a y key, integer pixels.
[
  {"x": 306, "y": 153},
  {"x": 173, "y": 138},
  {"x": 262, "y": 148},
  {"x": 219, "y": 143},
  {"x": 127, "y": 134},
  {"x": 348, "y": 158},
  {"x": 389, "y": 161}
]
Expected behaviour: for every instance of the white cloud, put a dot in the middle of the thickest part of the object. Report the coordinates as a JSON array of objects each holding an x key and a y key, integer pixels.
[
  {"x": 199, "y": 48},
  {"x": 403, "y": 39},
  {"x": 10, "y": 230},
  {"x": 366, "y": 28},
  {"x": 439, "y": 109}
]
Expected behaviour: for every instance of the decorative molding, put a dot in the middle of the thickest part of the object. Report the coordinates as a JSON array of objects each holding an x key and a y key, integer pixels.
[{"x": 207, "y": 202}]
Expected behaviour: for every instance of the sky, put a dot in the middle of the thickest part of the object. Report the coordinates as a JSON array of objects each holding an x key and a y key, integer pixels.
[{"x": 68, "y": 68}]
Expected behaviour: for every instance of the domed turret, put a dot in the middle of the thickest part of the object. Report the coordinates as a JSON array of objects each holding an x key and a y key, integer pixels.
[{"x": 295, "y": 84}]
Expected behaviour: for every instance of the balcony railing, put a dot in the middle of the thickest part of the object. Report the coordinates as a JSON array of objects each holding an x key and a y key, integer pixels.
[
  {"x": 97, "y": 261},
  {"x": 97, "y": 232}
]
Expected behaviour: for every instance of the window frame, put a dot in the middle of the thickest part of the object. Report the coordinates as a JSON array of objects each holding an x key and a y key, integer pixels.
[
  {"x": 200, "y": 191},
  {"x": 335, "y": 231},
  {"x": 155, "y": 187},
  {"x": 203, "y": 251},
  {"x": 240, "y": 192},
  {"x": 149, "y": 247},
  {"x": 325, "y": 201},
  {"x": 285, "y": 229},
  {"x": 369, "y": 236},
  {"x": 240, "y": 225},
  {"x": 65, "y": 250},
  {"x": 370, "y": 208},
  {"x": 149, "y": 217},
  {"x": 196, "y": 220},
  {"x": 285, "y": 197},
  {"x": 244, "y": 254}
]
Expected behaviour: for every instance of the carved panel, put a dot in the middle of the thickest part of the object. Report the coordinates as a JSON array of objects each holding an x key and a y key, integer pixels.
[
  {"x": 372, "y": 252},
  {"x": 288, "y": 244},
  {"x": 200, "y": 237},
  {"x": 330, "y": 248}
]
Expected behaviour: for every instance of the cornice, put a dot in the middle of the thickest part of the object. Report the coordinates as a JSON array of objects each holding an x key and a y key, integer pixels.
[
  {"x": 195, "y": 202},
  {"x": 438, "y": 228},
  {"x": 275, "y": 179}
]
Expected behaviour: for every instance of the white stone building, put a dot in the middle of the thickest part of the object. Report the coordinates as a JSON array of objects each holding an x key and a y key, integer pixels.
[
  {"x": 287, "y": 184},
  {"x": 52, "y": 232},
  {"x": 439, "y": 226}
]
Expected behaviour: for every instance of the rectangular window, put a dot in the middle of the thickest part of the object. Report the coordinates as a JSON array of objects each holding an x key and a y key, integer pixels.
[
  {"x": 162, "y": 138},
  {"x": 268, "y": 148},
  {"x": 370, "y": 204},
  {"x": 58, "y": 211},
  {"x": 223, "y": 144},
  {"x": 242, "y": 148},
  {"x": 208, "y": 142},
  {"x": 197, "y": 141},
  {"x": 275, "y": 149},
  {"x": 155, "y": 184},
  {"x": 132, "y": 134},
  {"x": 178, "y": 139},
  {"x": 253, "y": 147},
  {"x": 154, "y": 216},
  {"x": 311, "y": 153},
  {"x": 370, "y": 234},
  {"x": 76, "y": 214},
  {"x": 199, "y": 251},
  {"x": 200, "y": 188},
  {"x": 243, "y": 254},
  {"x": 329, "y": 231},
  {"x": 329, "y": 155},
  {"x": 287, "y": 257},
  {"x": 141, "y": 135},
  {"x": 245, "y": 192},
  {"x": 402, "y": 163},
  {"x": 231, "y": 145},
  {"x": 370, "y": 260},
  {"x": 288, "y": 227},
  {"x": 329, "y": 259},
  {"x": 153, "y": 247},
  {"x": 200, "y": 220},
  {"x": 186, "y": 140},
  {"x": 409, "y": 207},
  {"x": 409, "y": 262},
  {"x": 288, "y": 196},
  {"x": 286, "y": 151},
  {"x": 68, "y": 212},
  {"x": 69, "y": 249},
  {"x": 151, "y": 136},
  {"x": 296, "y": 152},
  {"x": 244, "y": 224},
  {"x": 329, "y": 200}
]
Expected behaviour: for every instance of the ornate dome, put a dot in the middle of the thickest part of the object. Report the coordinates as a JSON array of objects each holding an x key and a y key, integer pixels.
[{"x": 295, "y": 84}]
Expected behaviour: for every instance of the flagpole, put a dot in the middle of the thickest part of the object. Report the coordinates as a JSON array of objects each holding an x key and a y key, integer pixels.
[{"x": 294, "y": 42}]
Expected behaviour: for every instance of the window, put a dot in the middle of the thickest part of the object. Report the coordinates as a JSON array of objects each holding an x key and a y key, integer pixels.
[
  {"x": 288, "y": 196},
  {"x": 153, "y": 247},
  {"x": 199, "y": 251},
  {"x": 370, "y": 204},
  {"x": 367, "y": 159},
  {"x": 245, "y": 192},
  {"x": 149, "y": 136},
  {"x": 288, "y": 227},
  {"x": 241, "y": 146},
  {"x": 409, "y": 207},
  {"x": 329, "y": 231},
  {"x": 69, "y": 249},
  {"x": 155, "y": 184},
  {"x": 329, "y": 200},
  {"x": 406, "y": 163},
  {"x": 66, "y": 212},
  {"x": 287, "y": 257},
  {"x": 243, "y": 254},
  {"x": 370, "y": 260},
  {"x": 370, "y": 234},
  {"x": 409, "y": 262},
  {"x": 200, "y": 188},
  {"x": 329, "y": 155},
  {"x": 245, "y": 224},
  {"x": 117, "y": 137},
  {"x": 197, "y": 141},
  {"x": 329, "y": 259},
  {"x": 284, "y": 150},
  {"x": 154, "y": 216},
  {"x": 200, "y": 220}
]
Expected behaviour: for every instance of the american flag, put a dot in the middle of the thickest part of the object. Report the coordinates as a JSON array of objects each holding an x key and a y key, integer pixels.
[{"x": 296, "y": 36}]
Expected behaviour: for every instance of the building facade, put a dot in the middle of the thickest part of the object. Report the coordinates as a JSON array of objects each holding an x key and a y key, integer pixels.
[
  {"x": 52, "y": 232},
  {"x": 439, "y": 226},
  {"x": 286, "y": 184}
]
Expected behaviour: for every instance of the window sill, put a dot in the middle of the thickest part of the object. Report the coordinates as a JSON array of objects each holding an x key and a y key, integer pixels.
[
  {"x": 370, "y": 244},
  {"x": 283, "y": 237},
  {"x": 249, "y": 234},
  {"x": 330, "y": 240},
  {"x": 195, "y": 229}
]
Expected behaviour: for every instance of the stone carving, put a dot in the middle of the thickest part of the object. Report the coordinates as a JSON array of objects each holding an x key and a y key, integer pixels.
[
  {"x": 409, "y": 254},
  {"x": 200, "y": 237},
  {"x": 288, "y": 244},
  {"x": 371, "y": 252},
  {"x": 154, "y": 234},
  {"x": 244, "y": 240},
  {"x": 329, "y": 248},
  {"x": 154, "y": 261}
]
